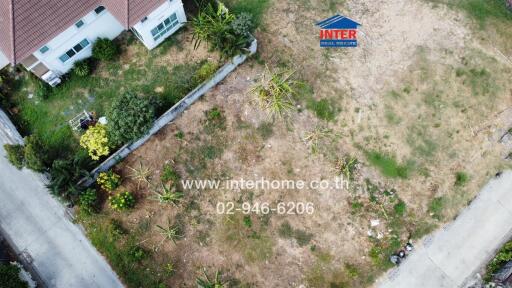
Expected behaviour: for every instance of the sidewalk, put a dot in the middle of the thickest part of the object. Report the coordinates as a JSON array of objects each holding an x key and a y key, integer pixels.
[{"x": 450, "y": 256}]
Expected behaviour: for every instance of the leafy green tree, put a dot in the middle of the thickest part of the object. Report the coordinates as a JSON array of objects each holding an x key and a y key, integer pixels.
[
  {"x": 130, "y": 117},
  {"x": 65, "y": 174},
  {"x": 10, "y": 277},
  {"x": 15, "y": 154},
  {"x": 35, "y": 154}
]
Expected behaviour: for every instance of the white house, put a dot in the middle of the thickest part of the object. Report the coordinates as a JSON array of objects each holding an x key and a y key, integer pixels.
[{"x": 48, "y": 38}]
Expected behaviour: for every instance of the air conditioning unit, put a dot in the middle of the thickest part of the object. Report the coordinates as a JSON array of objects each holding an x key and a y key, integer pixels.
[{"x": 51, "y": 78}]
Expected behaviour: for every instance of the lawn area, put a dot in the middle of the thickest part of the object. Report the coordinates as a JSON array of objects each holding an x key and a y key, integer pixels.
[{"x": 165, "y": 74}]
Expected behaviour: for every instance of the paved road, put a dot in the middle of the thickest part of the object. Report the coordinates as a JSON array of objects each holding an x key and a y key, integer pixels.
[
  {"x": 449, "y": 257},
  {"x": 36, "y": 224}
]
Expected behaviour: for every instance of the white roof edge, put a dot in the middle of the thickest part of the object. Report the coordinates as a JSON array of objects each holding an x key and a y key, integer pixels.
[{"x": 3, "y": 60}]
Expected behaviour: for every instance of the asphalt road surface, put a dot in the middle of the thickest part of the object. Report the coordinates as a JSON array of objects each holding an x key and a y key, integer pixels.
[
  {"x": 451, "y": 256},
  {"x": 37, "y": 227}
]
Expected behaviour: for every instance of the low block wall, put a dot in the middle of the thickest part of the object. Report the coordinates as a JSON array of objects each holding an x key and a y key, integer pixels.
[{"x": 172, "y": 113}]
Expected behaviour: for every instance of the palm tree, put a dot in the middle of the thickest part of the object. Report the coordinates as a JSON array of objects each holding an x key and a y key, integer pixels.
[
  {"x": 171, "y": 232},
  {"x": 169, "y": 195},
  {"x": 141, "y": 174},
  {"x": 274, "y": 92},
  {"x": 206, "y": 282}
]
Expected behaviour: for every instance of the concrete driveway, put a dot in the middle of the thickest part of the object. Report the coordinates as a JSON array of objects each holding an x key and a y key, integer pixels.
[
  {"x": 451, "y": 256},
  {"x": 37, "y": 227}
]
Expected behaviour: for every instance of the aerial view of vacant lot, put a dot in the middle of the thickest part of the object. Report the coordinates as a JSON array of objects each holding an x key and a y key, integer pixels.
[{"x": 399, "y": 134}]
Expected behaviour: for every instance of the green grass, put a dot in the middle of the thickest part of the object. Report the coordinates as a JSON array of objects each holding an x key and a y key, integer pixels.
[
  {"x": 254, "y": 7},
  {"x": 142, "y": 74},
  {"x": 323, "y": 109},
  {"x": 482, "y": 11},
  {"x": 436, "y": 207},
  {"x": 388, "y": 165},
  {"x": 122, "y": 252},
  {"x": 461, "y": 178}
]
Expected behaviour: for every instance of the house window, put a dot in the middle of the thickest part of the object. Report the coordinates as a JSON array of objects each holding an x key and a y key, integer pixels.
[
  {"x": 79, "y": 24},
  {"x": 44, "y": 49},
  {"x": 73, "y": 51},
  {"x": 161, "y": 29},
  {"x": 99, "y": 9}
]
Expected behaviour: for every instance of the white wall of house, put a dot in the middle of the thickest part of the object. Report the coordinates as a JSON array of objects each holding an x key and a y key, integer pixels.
[
  {"x": 173, "y": 11},
  {"x": 3, "y": 60},
  {"x": 103, "y": 25}
]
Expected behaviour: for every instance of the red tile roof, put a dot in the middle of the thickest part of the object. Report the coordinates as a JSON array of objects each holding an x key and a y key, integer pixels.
[{"x": 27, "y": 25}]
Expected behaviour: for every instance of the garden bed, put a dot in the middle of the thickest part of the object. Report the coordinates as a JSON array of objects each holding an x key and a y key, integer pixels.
[{"x": 168, "y": 73}]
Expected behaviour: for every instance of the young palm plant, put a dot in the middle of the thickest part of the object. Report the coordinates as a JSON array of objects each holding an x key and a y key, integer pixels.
[
  {"x": 140, "y": 174},
  {"x": 167, "y": 194},
  {"x": 274, "y": 92},
  {"x": 206, "y": 282},
  {"x": 171, "y": 232}
]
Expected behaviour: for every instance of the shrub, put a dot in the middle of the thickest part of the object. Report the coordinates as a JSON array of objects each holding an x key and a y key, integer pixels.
[
  {"x": 130, "y": 117},
  {"x": 65, "y": 174},
  {"x": 82, "y": 68},
  {"x": 35, "y": 154},
  {"x": 274, "y": 92},
  {"x": 503, "y": 256},
  {"x": 169, "y": 174},
  {"x": 400, "y": 208},
  {"x": 461, "y": 178},
  {"x": 41, "y": 89},
  {"x": 215, "y": 120},
  {"x": 95, "y": 140},
  {"x": 15, "y": 154},
  {"x": 108, "y": 181},
  {"x": 122, "y": 201},
  {"x": 205, "y": 72},
  {"x": 88, "y": 201},
  {"x": 105, "y": 49},
  {"x": 222, "y": 30},
  {"x": 10, "y": 277},
  {"x": 136, "y": 253}
]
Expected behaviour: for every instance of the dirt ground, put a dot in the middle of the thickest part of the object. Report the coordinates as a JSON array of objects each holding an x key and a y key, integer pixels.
[{"x": 422, "y": 87}]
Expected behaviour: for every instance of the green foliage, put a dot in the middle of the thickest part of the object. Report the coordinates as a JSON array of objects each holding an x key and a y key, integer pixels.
[
  {"x": 287, "y": 231},
  {"x": 15, "y": 154},
  {"x": 205, "y": 72},
  {"x": 323, "y": 109},
  {"x": 214, "y": 25},
  {"x": 170, "y": 232},
  {"x": 387, "y": 165},
  {"x": 256, "y": 8},
  {"x": 503, "y": 256},
  {"x": 274, "y": 92},
  {"x": 95, "y": 140},
  {"x": 65, "y": 174},
  {"x": 35, "y": 154},
  {"x": 10, "y": 277},
  {"x": 167, "y": 194},
  {"x": 461, "y": 178},
  {"x": 130, "y": 117},
  {"x": 169, "y": 174},
  {"x": 82, "y": 68},
  {"x": 247, "y": 221},
  {"x": 136, "y": 253},
  {"x": 266, "y": 130},
  {"x": 347, "y": 167},
  {"x": 400, "y": 208},
  {"x": 436, "y": 207},
  {"x": 214, "y": 121},
  {"x": 41, "y": 89},
  {"x": 109, "y": 181},
  {"x": 105, "y": 49},
  {"x": 122, "y": 201},
  {"x": 208, "y": 282},
  {"x": 88, "y": 201}
]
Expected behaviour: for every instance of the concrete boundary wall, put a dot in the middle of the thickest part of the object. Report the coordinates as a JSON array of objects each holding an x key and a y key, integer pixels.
[{"x": 172, "y": 113}]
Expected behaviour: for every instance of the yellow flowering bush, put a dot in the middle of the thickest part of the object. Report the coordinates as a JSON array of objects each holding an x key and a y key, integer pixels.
[
  {"x": 122, "y": 201},
  {"x": 108, "y": 181},
  {"x": 95, "y": 140}
]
